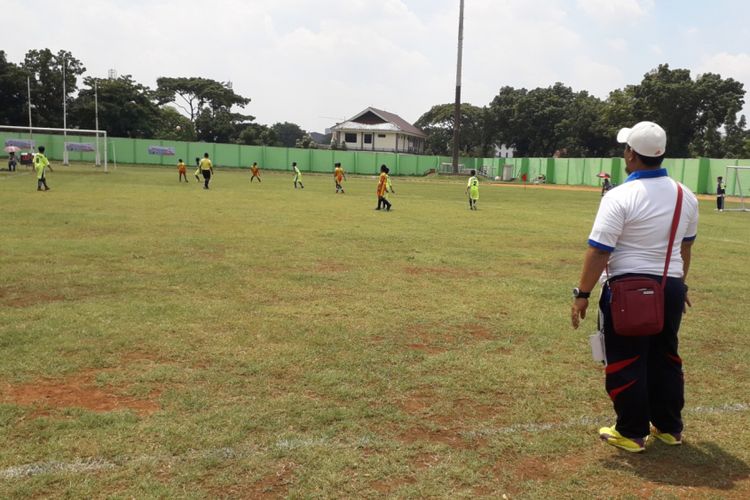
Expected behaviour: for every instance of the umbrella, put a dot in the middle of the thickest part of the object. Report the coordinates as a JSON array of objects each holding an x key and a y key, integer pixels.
[
  {"x": 603, "y": 175},
  {"x": 12, "y": 149}
]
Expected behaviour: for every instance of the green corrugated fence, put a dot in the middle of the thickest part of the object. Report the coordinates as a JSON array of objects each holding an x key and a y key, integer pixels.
[{"x": 698, "y": 174}]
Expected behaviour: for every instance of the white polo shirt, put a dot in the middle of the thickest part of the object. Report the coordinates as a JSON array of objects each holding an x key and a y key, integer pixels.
[{"x": 634, "y": 221}]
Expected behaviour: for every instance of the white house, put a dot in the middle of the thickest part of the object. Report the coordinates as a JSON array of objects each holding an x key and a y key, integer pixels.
[
  {"x": 503, "y": 151},
  {"x": 378, "y": 130}
]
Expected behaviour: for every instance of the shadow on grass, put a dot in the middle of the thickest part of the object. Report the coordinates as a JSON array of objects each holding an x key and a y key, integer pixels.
[{"x": 702, "y": 464}]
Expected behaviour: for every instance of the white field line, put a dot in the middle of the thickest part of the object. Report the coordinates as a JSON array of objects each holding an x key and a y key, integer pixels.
[
  {"x": 88, "y": 465},
  {"x": 16, "y": 175}
]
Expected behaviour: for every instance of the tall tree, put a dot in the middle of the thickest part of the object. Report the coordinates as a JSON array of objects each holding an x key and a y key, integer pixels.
[
  {"x": 438, "y": 124},
  {"x": 126, "y": 108},
  {"x": 544, "y": 120},
  {"x": 13, "y": 99},
  {"x": 194, "y": 94},
  {"x": 207, "y": 102},
  {"x": 288, "y": 133},
  {"x": 46, "y": 70}
]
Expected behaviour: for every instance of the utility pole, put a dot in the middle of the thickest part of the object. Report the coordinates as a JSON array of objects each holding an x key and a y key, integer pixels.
[
  {"x": 96, "y": 120},
  {"x": 65, "y": 117},
  {"x": 457, "y": 109},
  {"x": 28, "y": 89}
]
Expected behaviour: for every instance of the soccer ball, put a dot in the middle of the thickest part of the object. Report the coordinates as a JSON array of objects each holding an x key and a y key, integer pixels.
[
  {"x": 178, "y": 128},
  {"x": 497, "y": 177}
]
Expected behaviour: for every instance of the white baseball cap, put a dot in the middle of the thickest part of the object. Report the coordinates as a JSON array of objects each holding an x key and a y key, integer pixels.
[{"x": 646, "y": 138}]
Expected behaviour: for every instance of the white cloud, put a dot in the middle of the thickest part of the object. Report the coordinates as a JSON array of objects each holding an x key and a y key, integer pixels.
[
  {"x": 736, "y": 66},
  {"x": 615, "y": 10},
  {"x": 617, "y": 44},
  {"x": 300, "y": 60}
]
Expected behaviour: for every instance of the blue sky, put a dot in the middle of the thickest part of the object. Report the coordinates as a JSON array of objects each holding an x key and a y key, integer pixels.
[{"x": 314, "y": 63}]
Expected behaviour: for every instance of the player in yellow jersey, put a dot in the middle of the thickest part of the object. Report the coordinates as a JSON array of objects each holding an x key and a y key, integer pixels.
[
  {"x": 41, "y": 164},
  {"x": 255, "y": 171},
  {"x": 207, "y": 169},
  {"x": 297, "y": 176},
  {"x": 197, "y": 169},
  {"x": 472, "y": 189},
  {"x": 338, "y": 177},
  {"x": 383, "y": 189}
]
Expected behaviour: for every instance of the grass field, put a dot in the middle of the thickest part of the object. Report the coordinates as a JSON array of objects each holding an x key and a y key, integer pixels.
[{"x": 159, "y": 340}]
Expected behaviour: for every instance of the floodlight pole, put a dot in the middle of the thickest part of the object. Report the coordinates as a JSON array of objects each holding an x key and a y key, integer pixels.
[
  {"x": 457, "y": 108},
  {"x": 96, "y": 120},
  {"x": 65, "y": 117},
  {"x": 28, "y": 89}
]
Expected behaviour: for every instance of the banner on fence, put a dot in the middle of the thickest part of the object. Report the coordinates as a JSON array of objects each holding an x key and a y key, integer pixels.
[{"x": 161, "y": 150}]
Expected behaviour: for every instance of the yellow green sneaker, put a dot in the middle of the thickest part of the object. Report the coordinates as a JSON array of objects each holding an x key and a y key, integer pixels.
[
  {"x": 670, "y": 438},
  {"x": 613, "y": 438}
]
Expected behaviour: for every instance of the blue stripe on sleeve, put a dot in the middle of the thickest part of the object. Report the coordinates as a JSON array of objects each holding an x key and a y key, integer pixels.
[
  {"x": 600, "y": 246},
  {"x": 690, "y": 238}
]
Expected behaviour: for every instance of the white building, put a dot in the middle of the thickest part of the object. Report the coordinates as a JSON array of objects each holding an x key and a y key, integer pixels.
[
  {"x": 503, "y": 151},
  {"x": 378, "y": 130}
]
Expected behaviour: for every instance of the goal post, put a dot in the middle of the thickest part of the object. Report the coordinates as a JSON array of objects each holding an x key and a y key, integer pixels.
[
  {"x": 59, "y": 143},
  {"x": 737, "y": 179}
]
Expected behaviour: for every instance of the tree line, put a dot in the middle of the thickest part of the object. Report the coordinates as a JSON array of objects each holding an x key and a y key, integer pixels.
[
  {"x": 700, "y": 115},
  {"x": 184, "y": 108}
]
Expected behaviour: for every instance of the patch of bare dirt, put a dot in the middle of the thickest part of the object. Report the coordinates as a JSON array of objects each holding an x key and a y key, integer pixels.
[
  {"x": 386, "y": 487},
  {"x": 76, "y": 391},
  {"x": 427, "y": 348},
  {"x": 478, "y": 331},
  {"x": 331, "y": 267},
  {"x": 22, "y": 300},
  {"x": 275, "y": 484},
  {"x": 444, "y": 272}
]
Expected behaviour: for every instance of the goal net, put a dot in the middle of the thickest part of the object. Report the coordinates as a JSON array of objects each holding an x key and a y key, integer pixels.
[
  {"x": 737, "y": 185},
  {"x": 60, "y": 144}
]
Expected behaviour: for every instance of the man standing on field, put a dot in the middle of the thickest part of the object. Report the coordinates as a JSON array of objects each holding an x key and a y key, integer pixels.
[
  {"x": 630, "y": 238},
  {"x": 207, "y": 169}
]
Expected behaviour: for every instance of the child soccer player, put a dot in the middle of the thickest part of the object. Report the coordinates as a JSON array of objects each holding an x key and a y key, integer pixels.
[
  {"x": 388, "y": 189},
  {"x": 197, "y": 169},
  {"x": 41, "y": 164},
  {"x": 338, "y": 176},
  {"x": 182, "y": 169},
  {"x": 297, "y": 176},
  {"x": 255, "y": 171},
  {"x": 721, "y": 192},
  {"x": 384, "y": 186},
  {"x": 472, "y": 189}
]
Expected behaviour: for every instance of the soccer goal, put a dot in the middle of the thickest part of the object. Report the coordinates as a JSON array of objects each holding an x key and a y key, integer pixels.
[
  {"x": 59, "y": 143},
  {"x": 447, "y": 168},
  {"x": 736, "y": 178}
]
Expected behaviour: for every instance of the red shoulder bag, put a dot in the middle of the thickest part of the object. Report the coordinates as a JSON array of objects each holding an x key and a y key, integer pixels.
[{"x": 637, "y": 303}]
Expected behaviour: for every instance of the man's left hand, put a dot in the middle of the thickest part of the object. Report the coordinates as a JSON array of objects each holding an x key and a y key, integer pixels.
[{"x": 578, "y": 311}]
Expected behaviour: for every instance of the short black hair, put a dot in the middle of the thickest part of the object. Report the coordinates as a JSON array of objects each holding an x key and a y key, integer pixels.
[
  {"x": 180, "y": 160},
  {"x": 205, "y": 155},
  {"x": 649, "y": 161},
  {"x": 41, "y": 149},
  {"x": 294, "y": 163},
  {"x": 473, "y": 172}
]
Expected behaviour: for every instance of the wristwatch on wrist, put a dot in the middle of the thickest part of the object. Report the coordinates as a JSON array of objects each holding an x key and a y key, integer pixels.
[{"x": 578, "y": 294}]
